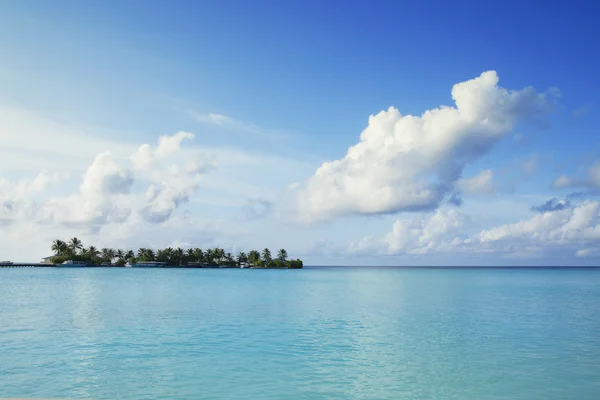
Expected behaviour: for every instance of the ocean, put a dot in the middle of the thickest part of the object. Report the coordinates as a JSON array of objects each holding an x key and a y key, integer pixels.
[{"x": 316, "y": 333}]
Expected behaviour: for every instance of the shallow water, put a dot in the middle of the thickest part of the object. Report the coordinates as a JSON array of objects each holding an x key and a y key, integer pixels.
[{"x": 329, "y": 333}]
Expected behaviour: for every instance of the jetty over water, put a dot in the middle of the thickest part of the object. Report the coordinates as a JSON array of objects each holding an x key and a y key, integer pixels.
[{"x": 11, "y": 264}]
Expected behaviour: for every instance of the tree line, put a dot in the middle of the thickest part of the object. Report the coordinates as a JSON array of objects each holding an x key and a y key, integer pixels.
[{"x": 75, "y": 251}]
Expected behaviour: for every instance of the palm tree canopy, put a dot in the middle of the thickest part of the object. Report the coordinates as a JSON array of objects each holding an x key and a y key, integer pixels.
[
  {"x": 282, "y": 254},
  {"x": 58, "y": 247},
  {"x": 92, "y": 251},
  {"x": 254, "y": 256},
  {"x": 75, "y": 244},
  {"x": 266, "y": 255}
]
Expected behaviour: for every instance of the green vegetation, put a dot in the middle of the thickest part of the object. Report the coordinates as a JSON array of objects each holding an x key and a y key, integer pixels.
[{"x": 75, "y": 251}]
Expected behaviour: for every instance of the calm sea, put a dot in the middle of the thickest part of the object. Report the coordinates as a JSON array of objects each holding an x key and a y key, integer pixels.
[{"x": 317, "y": 333}]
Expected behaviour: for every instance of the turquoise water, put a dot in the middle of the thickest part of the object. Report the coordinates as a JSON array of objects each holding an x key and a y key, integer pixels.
[{"x": 334, "y": 333}]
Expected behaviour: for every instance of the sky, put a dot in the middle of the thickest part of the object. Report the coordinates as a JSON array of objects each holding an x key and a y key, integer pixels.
[{"x": 349, "y": 133}]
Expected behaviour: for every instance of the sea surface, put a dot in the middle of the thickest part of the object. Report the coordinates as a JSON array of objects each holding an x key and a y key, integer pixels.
[{"x": 317, "y": 333}]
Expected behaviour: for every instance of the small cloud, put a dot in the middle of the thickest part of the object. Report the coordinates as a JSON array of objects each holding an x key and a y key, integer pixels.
[
  {"x": 583, "y": 110},
  {"x": 214, "y": 118},
  {"x": 587, "y": 252},
  {"x": 561, "y": 182},
  {"x": 257, "y": 208},
  {"x": 551, "y": 205},
  {"x": 232, "y": 124},
  {"x": 592, "y": 180}
]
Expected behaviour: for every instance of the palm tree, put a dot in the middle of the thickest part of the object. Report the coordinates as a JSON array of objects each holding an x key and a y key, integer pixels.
[
  {"x": 162, "y": 255},
  {"x": 242, "y": 258},
  {"x": 92, "y": 252},
  {"x": 209, "y": 256},
  {"x": 198, "y": 255},
  {"x": 129, "y": 255},
  {"x": 141, "y": 253},
  {"x": 75, "y": 244},
  {"x": 282, "y": 255},
  {"x": 179, "y": 255},
  {"x": 107, "y": 254},
  {"x": 254, "y": 256},
  {"x": 266, "y": 255},
  {"x": 120, "y": 254},
  {"x": 169, "y": 252},
  {"x": 144, "y": 254},
  {"x": 59, "y": 247},
  {"x": 188, "y": 256},
  {"x": 219, "y": 255}
]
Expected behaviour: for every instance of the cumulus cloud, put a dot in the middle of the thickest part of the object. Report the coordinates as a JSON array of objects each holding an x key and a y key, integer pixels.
[
  {"x": 106, "y": 194},
  {"x": 422, "y": 234},
  {"x": 573, "y": 230},
  {"x": 169, "y": 144},
  {"x": 26, "y": 188},
  {"x": 105, "y": 176},
  {"x": 162, "y": 202},
  {"x": 575, "y": 226},
  {"x": 410, "y": 163},
  {"x": 146, "y": 156},
  {"x": 478, "y": 184}
]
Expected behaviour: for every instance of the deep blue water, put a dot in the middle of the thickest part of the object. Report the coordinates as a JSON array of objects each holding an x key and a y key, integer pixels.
[{"x": 328, "y": 333}]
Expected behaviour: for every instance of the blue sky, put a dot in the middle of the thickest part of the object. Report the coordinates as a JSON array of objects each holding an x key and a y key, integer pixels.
[{"x": 271, "y": 91}]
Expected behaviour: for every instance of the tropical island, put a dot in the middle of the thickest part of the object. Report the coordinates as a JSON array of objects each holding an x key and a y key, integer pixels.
[{"x": 73, "y": 252}]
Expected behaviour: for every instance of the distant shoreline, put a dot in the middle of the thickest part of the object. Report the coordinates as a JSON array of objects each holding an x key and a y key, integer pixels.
[{"x": 496, "y": 267}]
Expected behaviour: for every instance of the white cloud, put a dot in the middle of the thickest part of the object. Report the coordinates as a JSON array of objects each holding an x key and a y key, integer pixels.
[
  {"x": 409, "y": 163},
  {"x": 418, "y": 235},
  {"x": 162, "y": 202},
  {"x": 234, "y": 125},
  {"x": 215, "y": 118},
  {"x": 591, "y": 180},
  {"x": 570, "y": 227},
  {"x": 105, "y": 176},
  {"x": 105, "y": 195},
  {"x": 561, "y": 182},
  {"x": 226, "y": 122},
  {"x": 574, "y": 231},
  {"x": 478, "y": 184},
  {"x": 169, "y": 144}
]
